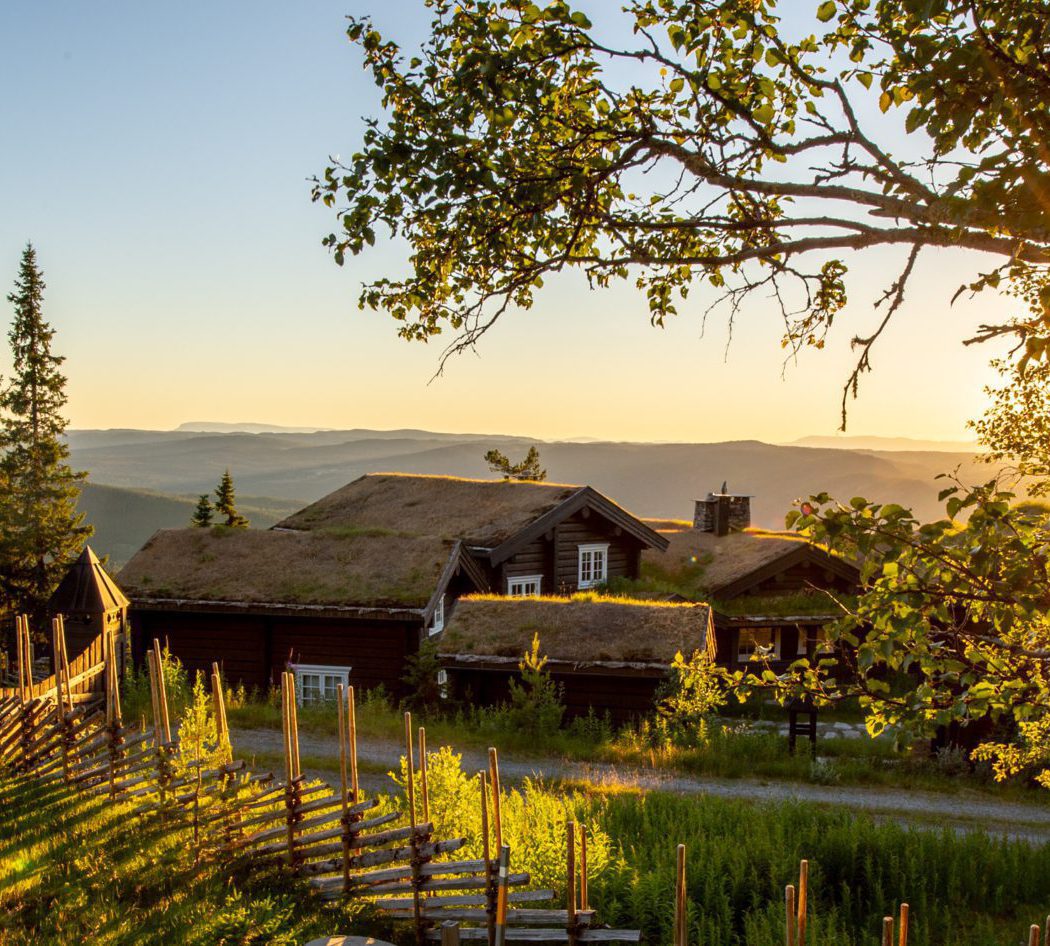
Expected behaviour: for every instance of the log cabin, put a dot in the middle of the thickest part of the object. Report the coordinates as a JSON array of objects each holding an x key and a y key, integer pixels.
[
  {"x": 347, "y": 588},
  {"x": 609, "y": 654}
]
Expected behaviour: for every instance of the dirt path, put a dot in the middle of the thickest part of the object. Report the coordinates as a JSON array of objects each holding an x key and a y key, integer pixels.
[{"x": 963, "y": 811}]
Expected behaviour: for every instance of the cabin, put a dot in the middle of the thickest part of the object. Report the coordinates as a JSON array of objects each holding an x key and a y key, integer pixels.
[
  {"x": 606, "y": 653},
  {"x": 772, "y": 593},
  {"x": 346, "y": 589}
]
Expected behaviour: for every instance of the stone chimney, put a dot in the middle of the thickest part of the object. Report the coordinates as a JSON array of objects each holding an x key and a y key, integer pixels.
[{"x": 723, "y": 512}]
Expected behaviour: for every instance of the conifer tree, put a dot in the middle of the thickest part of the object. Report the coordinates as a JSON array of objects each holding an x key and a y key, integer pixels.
[
  {"x": 41, "y": 532},
  {"x": 202, "y": 513},
  {"x": 226, "y": 504},
  {"x": 528, "y": 470}
]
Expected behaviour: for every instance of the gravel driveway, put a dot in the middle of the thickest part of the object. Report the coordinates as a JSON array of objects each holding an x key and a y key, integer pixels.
[{"x": 962, "y": 811}]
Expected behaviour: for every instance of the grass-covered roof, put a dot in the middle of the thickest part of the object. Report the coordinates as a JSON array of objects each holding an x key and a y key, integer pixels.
[
  {"x": 584, "y": 628},
  {"x": 324, "y": 567},
  {"x": 481, "y": 512}
]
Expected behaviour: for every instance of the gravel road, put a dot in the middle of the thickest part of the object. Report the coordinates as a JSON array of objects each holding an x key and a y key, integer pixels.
[{"x": 962, "y": 811}]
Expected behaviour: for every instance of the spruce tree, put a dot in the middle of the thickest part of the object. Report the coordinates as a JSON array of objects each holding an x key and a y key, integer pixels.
[
  {"x": 226, "y": 504},
  {"x": 41, "y": 532},
  {"x": 202, "y": 514},
  {"x": 527, "y": 470}
]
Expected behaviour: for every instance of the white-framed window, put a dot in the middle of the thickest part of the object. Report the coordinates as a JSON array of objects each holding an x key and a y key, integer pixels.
[
  {"x": 524, "y": 586},
  {"x": 758, "y": 642},
  {"x": 315, "y": 683},
  {"x": 442, "y": 682},
  {"x": 815, "y": 636},
  {"x": 594, "y": 565},
  {"x": 437, "y": 622}
]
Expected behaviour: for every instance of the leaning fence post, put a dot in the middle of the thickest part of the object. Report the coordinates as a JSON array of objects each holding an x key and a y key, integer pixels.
[
  {"x": 584, "y": 894},
  {"x": 424, "y": 788},
  {"x": 501, "y": 895},
  {"x": 497, "y": 818},
  {"x": 486, "y": 860},
  {"x": 570, "y": 880},
  {"x": 352, "y": 721},
  {"x": 789, "y": 909},
  {"x": 903, "y": 935},
  {"x": 343, "y": 788}
]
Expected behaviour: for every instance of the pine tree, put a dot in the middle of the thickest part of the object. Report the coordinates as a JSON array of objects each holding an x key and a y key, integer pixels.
[
  {"x": 202, "y": 514},
  {"x": 41, "y": 532},
  {"x": 226, "y": 504},
  {"x": 528, "y": 470}
]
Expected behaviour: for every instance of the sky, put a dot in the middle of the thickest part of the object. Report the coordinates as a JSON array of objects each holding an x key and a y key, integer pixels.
[{"x": 158, "y": 158}]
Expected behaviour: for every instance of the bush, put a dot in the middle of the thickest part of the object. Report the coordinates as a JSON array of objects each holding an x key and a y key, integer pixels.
[{"x": 535, "y": 706}]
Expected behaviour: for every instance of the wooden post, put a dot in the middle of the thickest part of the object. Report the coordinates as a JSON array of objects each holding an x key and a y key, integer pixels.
[
  {"x": 291, "y": 795},
  {"x": 449, "y": 933},
  {"x": 679, "y": 901},
  {"x": 803, "y": 895},
  {"x": 162, "y": 692},
  {"x": 789, "y": 904},
  {"x": 1046, "y": 932},
  {"x": 570, "y": 880},
  {"x": 423, "y": 773},
  {"x": 903, "y": 935},
  {"x": 887, "y": 931},
  {"x": 20, "y": 647},
  {"x": 1033, "y": 935},
  {"x": 222, "y": 729},
  {"x": 113, "y": 714},
  {"x": 490, "y": 885},
  {"x": 293, "y": 707},
  {"x": 583, "y": 868},
  {"x": 60, "y": 701},
  {"x": 497, "y": 818},
  {"x": 352, "y": 720},
  {"x": 343, "y": 789},
  {"x": 501, "y": 895},
  {"x": 410, "y": 785}
]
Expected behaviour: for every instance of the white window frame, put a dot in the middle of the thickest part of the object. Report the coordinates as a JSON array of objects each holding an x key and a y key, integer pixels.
[
  {"x": 817, "y": 636},
  {"x": 593, "y": 576},
  {"x": 743, "y": 657},
  {"x": 437, "y": 619},
  {"x": 442, "y": 682},
  {"x": 521, "y": 581},
  {"x": 321, "y": 671}
]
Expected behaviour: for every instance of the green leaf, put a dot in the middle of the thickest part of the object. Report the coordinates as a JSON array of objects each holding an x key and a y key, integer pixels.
[
  {"x": 826, "y": 11},
  {"x": 885, "y": 101}
]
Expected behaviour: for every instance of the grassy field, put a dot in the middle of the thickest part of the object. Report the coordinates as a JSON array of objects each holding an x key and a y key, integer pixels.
[{"x": 82, "y": 870}]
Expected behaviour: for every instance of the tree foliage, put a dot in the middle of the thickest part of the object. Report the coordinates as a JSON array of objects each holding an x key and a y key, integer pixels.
[
  {"x": 721, "y": 146},
  {"x": 226, "y": 503},
  {"x": 202, "y": 513},
  {"x": 536, "y": 701},
  {"x": 41, "y": 532},
  {"x": 693, "y": 692},
  {"x": 528, "y": 469}
]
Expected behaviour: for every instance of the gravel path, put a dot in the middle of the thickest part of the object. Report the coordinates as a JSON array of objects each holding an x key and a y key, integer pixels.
[{"x": 962, "y": 811}]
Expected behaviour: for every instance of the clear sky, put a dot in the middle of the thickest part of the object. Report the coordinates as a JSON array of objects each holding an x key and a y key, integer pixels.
[{"x": 158, "y": 155}]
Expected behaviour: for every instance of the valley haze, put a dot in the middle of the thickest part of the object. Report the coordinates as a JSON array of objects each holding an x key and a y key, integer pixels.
[{"x": 143, "y": 480}]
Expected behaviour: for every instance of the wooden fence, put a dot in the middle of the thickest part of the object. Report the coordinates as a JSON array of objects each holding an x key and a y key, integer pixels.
[
  {"x": 82, "y": 676},
  {"x": 68, "y": 731}
]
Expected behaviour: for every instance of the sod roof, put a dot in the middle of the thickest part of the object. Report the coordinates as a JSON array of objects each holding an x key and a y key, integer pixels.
[
  {"x": 580, "y": 629},
  {"x": 708, "y": 564},
  {"x": 481, "y": 512},
  {"x": 323, "y": 567}
]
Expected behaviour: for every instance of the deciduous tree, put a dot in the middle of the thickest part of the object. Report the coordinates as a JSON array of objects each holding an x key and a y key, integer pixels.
[
  {"x": 41, "y": 532},
  {"x": 722, "y": 146}
]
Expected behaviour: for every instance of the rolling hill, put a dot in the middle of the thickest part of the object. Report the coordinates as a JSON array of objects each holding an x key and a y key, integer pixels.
[{"x": 152, "y": 477}]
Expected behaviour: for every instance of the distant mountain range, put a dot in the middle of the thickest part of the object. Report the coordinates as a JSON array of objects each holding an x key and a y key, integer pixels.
[
  {"x": 896, "y": 444},
  {"x": 151, "y": 478}
]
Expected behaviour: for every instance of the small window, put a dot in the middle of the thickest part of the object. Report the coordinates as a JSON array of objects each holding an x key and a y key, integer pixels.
[
  {"x": 758, "y": 642},
  {"x": 437, "y": 622},
  {"x": 815, "y": 637},
  {"x": 317, "y": 683},
  {"x": 442, "y": 682},
  {"x": 594, "y": 560},
  {"x": 524, "y": 586}
]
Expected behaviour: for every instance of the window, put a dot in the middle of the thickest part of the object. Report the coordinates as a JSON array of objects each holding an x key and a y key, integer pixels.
[
  {"x": 524, "y": 586},
  {"x": 593, "y": 565},
  {"x": 758, "y": 642},
  {"x": 315, "y": 683},
  {"x": 442, "y": 682},
  {"x": 437, "y": 622},
  {"x": 815, "y": 637}
]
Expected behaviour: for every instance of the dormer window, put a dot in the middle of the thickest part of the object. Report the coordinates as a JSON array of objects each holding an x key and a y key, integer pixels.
[
  {"x": 594, "y": 565},
  {"x": 524, "y": 586},
  {"x": 437, "y": 622}
]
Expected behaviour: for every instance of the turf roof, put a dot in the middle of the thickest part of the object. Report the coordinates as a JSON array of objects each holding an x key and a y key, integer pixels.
[
  {"x": 323, "y": 567},
  {"x": 584, "y": 628},
  {"x": 481, "y": 512}
]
